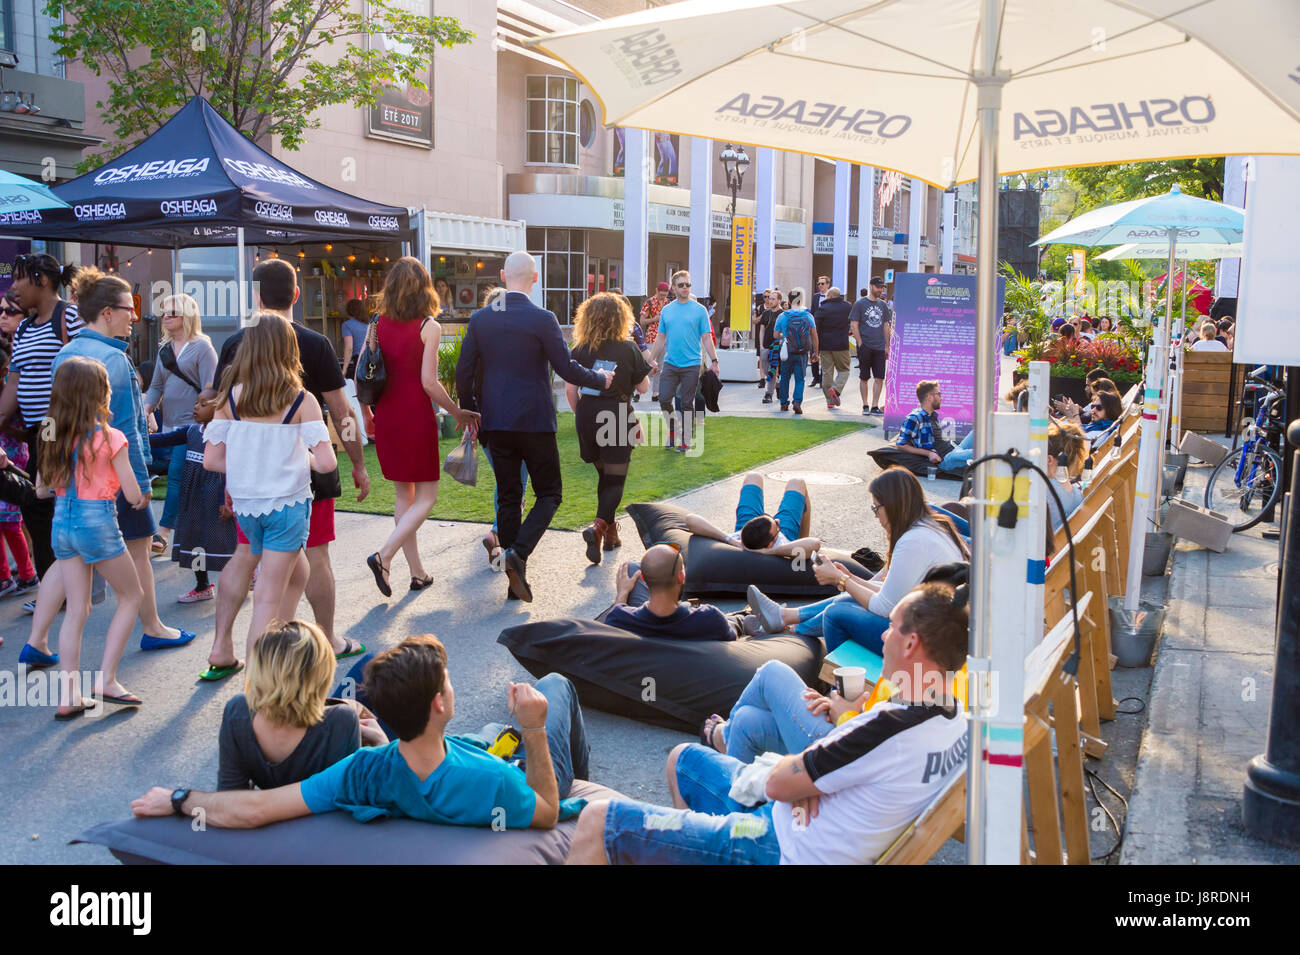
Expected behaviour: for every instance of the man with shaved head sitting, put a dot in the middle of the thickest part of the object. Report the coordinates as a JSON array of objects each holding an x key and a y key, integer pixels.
[{"x": 649, "y": 602}]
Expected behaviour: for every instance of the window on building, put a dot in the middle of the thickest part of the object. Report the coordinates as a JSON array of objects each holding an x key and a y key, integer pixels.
[
  {"x": 7, "y": 25},
  {"x": 552, "y": 121},
  {"x": 587, "y": 124},
  {"x": 562, "y": 261}
]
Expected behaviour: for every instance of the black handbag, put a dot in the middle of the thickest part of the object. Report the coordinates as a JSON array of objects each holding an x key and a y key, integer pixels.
[{"x": 371, "y": 376}]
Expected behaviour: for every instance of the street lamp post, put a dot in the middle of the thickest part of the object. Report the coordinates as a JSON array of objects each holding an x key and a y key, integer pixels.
[{"x": 734, "y": 163}]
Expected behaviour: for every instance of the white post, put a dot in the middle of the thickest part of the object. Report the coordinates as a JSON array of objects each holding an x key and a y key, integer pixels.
[
  {"x": 701, "y": 240},
  {"x": 765, "y": 226},
  {"x": 949, "y": 230},
  {"x": 241, "y": 274},
  {"x": 1173, "y": 423},
  {"x": 1147, "y": 454},
  {"x": 1039, "y": 383},
  {"x": 916, "y": 210},
  {"x": 636, "y": 213},
  {"x": 840, "y": 251},
  {"x": 866, "y": 226},
  {"x": 994, "y": 790}
]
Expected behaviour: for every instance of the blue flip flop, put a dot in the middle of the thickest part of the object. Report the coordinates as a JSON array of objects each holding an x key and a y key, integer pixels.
[{"x": 163, "y": 643}]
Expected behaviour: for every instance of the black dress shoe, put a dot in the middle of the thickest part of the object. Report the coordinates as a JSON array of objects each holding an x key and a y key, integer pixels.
[{"x": 516, "y": 571}]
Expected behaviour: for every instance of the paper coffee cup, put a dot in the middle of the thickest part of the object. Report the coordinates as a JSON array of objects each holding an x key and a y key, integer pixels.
[{"x": 850, "y": 681}]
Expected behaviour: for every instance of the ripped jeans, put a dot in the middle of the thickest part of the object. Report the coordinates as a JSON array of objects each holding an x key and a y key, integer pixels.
[{"x": 715, "y": 830}]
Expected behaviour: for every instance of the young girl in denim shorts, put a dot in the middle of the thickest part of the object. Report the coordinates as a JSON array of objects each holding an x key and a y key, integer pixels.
[
  {"x": 83, "y": 465},
  {"x": 268, "y": 436}
]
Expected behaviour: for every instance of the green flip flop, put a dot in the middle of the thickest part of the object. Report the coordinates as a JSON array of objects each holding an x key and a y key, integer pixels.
[
  {"x": 351, "y": 648},
  {"x": 215, "y": 673}
]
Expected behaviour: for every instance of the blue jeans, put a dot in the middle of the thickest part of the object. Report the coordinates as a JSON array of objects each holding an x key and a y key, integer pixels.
[
  {"x": 842, "y": 618},
  {"x": 172, "y": 503},
  {"x": 789, "y": 513},
  {"x": 960, "y": 456},
  {"x": 772, "y": 716},
  {"x": 496, "y": 491},
  {"x": 713, "y": 831},
  {"x": 795, "y": 365}
]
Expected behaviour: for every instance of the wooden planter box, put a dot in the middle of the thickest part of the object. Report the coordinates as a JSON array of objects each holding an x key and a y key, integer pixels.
[{"x": 1205, "y": 390}]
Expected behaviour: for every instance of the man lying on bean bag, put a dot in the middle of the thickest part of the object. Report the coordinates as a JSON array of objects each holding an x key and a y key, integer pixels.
[
  {"x": 764, "y": 533},
  {"x": 648, "y": 602},
  {"x": 451, "y": 780}
]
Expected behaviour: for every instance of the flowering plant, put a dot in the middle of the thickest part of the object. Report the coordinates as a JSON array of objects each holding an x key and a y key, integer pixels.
[{"x": 1074, "y": 358}]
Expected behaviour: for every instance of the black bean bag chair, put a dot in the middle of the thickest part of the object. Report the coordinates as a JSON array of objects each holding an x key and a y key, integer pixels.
[
  {"x": 335, "y": 838},
  {"x": 918, "y": 465},
  {"x": 713, "y": 567},
  {"x": 672, "y": 683}
]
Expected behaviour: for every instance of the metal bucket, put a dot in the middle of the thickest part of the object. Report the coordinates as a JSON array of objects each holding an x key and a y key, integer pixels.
[
  {"x": 1155, "y": 556},
  {"x": 1133, "y": 633},
  {"x": 1175, "y": 473}
]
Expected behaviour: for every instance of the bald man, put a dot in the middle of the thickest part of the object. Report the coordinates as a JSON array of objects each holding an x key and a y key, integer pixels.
[
  {"x": 649, "y": 602},
  {"x": 509, "y": 346}
]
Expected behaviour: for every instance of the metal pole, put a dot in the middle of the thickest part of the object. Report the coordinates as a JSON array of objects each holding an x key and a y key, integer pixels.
[
  {"x": 978, "y": 850},
  {"x": 1270, "y": 806},
  {"x": 240, "y": 276}
]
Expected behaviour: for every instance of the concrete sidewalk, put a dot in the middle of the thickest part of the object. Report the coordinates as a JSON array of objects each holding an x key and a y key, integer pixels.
[{"x": 1209, "y": 705}]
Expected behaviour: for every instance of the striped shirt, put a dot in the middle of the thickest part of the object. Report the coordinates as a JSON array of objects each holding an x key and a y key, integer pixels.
[{"x": 34, "y": 351}]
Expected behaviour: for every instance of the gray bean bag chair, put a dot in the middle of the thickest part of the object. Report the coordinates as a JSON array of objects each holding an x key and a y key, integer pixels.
[
  {"x": 713, "y": 567},
  {"x": 672, "y": 683},
  {"x": 335, "y": 838}
]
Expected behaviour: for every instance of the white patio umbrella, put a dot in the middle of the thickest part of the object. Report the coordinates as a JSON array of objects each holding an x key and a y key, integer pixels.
[
  {"x": 19, "y": 194},
  {"x": 1180, "y": 219},
  {"x": 919, "y": 86},
  {"x": 1187, "y": 251}
]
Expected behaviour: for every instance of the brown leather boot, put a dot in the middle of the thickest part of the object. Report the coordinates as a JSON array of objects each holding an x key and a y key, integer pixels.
[
  {"x": 593, "y": 535},
  {"x": 611, "y": 536}
]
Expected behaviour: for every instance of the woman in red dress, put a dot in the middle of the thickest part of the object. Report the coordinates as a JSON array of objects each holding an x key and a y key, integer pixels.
[{"x": 405, "y": 424}]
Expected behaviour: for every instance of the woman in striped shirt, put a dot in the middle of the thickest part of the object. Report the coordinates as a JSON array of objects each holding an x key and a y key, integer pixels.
[{"x": 26, "y": 398}]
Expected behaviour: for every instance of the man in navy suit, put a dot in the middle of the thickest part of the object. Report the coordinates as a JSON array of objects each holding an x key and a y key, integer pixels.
[{"x": 510, "y": 343}]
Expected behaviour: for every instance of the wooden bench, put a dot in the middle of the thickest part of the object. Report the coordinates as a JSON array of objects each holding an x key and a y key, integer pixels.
[{"x": 1045, "y": 686}]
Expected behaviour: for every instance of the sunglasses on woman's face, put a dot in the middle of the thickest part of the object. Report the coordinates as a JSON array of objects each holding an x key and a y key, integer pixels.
[{"x": 11, "y": 311}]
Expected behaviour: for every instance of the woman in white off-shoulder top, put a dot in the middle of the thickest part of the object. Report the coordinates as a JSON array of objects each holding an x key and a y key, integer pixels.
[{"x": 268, "y": 436}]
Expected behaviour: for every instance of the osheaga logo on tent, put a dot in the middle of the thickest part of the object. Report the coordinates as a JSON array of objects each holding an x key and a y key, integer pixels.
[
  {"x": 99, "y": 211},
  {"x": 864, "y": 122},
  {"x": 1100, "y": 121},
  {"x": 332, "y": 217},
  {"x": 158, "y": 169},
  {"x": 188, "y": 207},
  {"x": 264, "y": 173},
  {"x": 645, "y": 56},
  {"x": 21, "y": 217},
  {"x": 274, "y": 210},
  {"x": 383, "y": 222}
]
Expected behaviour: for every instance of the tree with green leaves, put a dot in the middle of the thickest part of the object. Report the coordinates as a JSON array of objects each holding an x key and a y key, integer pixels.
[
  {"x": 258, "y": 62},
  {"x": 1120, "y": 182}
]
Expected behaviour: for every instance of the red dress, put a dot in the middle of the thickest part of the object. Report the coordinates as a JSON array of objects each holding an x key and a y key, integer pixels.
[{"x": 406, "y": 426}]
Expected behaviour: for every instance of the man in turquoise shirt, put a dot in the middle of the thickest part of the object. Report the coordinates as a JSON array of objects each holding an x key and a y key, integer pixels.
[
  {"x": 684, "y": 330},
  {"x": 425, "y": 774}
]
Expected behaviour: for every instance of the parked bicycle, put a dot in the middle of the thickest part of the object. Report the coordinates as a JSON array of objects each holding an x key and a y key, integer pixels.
[{"x": 1245, "y": 484}]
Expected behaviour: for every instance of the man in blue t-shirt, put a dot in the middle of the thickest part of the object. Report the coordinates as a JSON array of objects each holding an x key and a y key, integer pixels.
[
  {"x": 425, "y": 774},
  {"x": 684, "y": 331},
  {"x": 648, "y": 602}
]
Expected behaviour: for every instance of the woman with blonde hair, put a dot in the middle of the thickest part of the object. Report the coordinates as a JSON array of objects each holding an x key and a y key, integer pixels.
[
  {"x": 267, "y": 436},
  {"x": 1067, "y": 453},
  {"x": 606, "y": 422},
  {"x": 284, "y": 727},
  {"x": 185, "y": 366},
  {"x": 405, "y": 424}
]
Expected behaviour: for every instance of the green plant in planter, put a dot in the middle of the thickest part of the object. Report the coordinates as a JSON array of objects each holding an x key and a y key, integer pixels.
[{"x": 448, "y": 357}]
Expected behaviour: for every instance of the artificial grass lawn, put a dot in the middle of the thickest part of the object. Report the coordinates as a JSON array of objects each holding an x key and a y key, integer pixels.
[{"x": 730, "y": 445}]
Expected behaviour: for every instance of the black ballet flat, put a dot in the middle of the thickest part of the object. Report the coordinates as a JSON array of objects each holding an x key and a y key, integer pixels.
[{"x": 419, "y": 583}]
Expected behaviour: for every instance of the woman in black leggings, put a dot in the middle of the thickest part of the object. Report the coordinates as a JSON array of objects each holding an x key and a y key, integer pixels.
[{"x": 607, "y": 424}]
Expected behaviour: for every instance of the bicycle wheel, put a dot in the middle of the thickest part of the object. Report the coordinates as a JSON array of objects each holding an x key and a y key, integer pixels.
[{"x": 1245, "y": 503}]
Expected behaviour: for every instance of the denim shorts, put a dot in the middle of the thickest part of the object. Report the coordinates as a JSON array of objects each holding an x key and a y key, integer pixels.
[
  {"x": 85, "y": 529},
  {"x": 789, "y": 514},
  {"x": 714, "y": 831},
  {"x": 284, "y": 529},
  {"x": 132, "y": 523}
]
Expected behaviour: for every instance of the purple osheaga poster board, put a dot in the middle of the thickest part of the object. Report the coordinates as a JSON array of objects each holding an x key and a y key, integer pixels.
[
  {"x": 934, "y": 338},
  {"x": 10, "y": 249}
]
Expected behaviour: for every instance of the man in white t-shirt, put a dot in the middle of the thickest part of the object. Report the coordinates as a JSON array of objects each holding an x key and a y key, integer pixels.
[{"x": 842, "y": 800}]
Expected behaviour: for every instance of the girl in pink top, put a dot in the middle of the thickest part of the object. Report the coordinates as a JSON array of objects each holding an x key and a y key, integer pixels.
[{"x": 83, "y": 463}]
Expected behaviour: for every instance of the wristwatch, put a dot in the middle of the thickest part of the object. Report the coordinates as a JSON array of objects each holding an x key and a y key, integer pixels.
[{"x": 178, "y": 798}]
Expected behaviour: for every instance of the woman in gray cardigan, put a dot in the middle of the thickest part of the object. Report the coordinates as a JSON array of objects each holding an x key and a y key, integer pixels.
[{"x": 185, "y": 366}]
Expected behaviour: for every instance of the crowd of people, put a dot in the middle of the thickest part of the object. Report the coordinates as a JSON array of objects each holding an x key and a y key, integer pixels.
[{"x": 252, "y": 438}]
